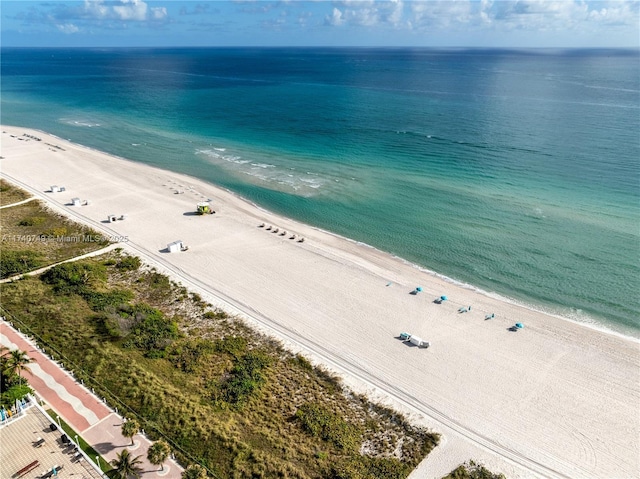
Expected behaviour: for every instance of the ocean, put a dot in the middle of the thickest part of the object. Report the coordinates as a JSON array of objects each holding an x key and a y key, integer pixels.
[{"x": 516, "y": 172}]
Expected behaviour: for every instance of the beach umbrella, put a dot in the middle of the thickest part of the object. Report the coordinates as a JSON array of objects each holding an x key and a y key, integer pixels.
[
  {"x": 419, "y": 289},
  {"x": 519, "y": 325},
  {"x": 443, "y": 298}
]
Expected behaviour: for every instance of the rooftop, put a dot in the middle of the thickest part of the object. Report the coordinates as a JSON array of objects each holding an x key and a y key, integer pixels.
[{"x": 29, "y": 438}]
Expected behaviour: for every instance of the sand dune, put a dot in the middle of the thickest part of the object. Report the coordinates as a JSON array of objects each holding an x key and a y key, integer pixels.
[{"x": 556, "y": 399}]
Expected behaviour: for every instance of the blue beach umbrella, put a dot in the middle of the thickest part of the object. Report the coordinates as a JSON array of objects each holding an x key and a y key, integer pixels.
[
  {"x": 419, "y": 289},
  {"x": 443, "y": 298},
  {"x": 519, "y": 325}
]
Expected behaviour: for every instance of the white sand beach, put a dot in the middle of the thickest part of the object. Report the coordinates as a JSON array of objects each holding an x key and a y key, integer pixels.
[{"x": 555, "y": 399}]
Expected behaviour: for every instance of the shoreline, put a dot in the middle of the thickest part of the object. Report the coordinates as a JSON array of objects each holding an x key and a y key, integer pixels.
[
  {"x": 596, "y": 324},
  {"x": 535, "y": 404}
]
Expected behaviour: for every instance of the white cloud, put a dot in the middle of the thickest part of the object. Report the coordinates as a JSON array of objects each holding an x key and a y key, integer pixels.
[
  {"x": 335, "y": 18},
  {"x": 124, "y": 10},
  {"x": 616, "y": 13},
  {"x": 395, "y": 17},
  {"x": 158, "y": 13},
  {"x": 68, "y": 28},
  {"x": 131, "y": 10},
  {"x": 367, "y": 13}
]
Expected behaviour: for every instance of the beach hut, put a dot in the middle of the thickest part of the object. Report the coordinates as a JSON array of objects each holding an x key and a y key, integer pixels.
[
  {"x": 55, "y": 189},
  {"x": 175, "y": 247},
  {"x": 111, "y": 218},
  {"x": 76, "y": 202}
]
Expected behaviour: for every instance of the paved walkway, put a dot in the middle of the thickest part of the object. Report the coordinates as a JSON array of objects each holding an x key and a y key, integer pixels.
[
  {"x": 19, "y": 202},
  {"x": 90, "y": 417},
  {"x": 90, "y": 254}
]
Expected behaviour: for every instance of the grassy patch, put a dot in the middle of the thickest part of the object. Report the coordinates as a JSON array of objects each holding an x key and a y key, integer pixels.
[
  {"x": 10, "y": 194},
  {"x": 219, "y": 393},
  {"x": 33, "y": 237}
]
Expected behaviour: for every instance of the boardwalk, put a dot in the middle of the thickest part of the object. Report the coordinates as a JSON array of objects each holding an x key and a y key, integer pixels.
[{"x": 87, "y": 414}]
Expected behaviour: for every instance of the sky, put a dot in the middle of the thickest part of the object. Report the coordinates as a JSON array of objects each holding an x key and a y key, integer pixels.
[{"x": 366, "y": 23}]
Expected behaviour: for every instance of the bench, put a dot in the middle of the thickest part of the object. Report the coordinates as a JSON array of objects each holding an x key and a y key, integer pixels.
[{"x": 26, "y": 469}]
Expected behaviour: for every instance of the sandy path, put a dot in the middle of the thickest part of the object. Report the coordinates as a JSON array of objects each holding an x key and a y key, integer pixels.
[{"x": 556, "y": 399}]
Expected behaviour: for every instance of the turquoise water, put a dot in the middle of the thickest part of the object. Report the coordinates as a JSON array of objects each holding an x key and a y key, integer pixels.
[{"x": 516, "y": 172}]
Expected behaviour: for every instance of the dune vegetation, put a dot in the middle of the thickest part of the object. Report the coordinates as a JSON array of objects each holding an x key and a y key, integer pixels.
[
  {"x": 219, "y": 393},
  {"x": 33, "y": 236}
]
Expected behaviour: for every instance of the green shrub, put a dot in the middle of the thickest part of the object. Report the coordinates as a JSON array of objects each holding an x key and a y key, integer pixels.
[
  {"x": 233, "y": 345},
  {"x": 187, "y": 354},
  {"x": 471, "y": 470},
  {"x": 18, "y": 262},
  {"x": 319, "y": 421},
  {"x": 217, "y": 314},
  {"x": 159, "y": 281},
  {"x": 74, "y": 277},
  {"x": 33, "y": 221},
  {"x": 99, "y": 301},
  {"x": 152, "y": 331},
  {"x": 129, "y": 263},
  {"x": 247, "y": 376},
  {"x": 303, "y": 362}
]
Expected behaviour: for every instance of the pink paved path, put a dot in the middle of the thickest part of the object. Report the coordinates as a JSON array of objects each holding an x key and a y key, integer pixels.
[{"x": 83, "y": 411}]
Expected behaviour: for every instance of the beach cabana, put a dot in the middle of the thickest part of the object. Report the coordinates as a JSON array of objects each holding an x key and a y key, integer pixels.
[
  {"x": 111, "y": 218},
  {"x": 76, "y": 202},
  {"x": 519, "y": 325},
  {"x": 419, "y": 289},
  {"x": 55, "y": 189},
  {"x": 175, "y": 247}
]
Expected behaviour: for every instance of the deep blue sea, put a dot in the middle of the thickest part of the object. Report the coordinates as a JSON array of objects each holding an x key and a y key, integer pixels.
[{"x": 516, "y": 172}]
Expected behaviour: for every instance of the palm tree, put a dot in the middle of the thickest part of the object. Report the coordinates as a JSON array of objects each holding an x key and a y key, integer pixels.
[
  {"x": 16, "y": 362},
  {"x": 158, "y": 453},
  {"x": 126, "y": 466},
  {"x": 4, "y": 357},
  {"x": 195, "y": 471},
  {"x": 130, "y": 429}
]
